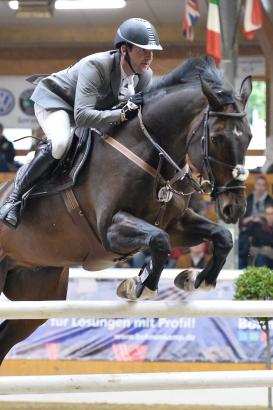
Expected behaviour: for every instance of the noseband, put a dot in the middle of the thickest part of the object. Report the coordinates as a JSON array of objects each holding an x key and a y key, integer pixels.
[{"x": 239, "y": 172}]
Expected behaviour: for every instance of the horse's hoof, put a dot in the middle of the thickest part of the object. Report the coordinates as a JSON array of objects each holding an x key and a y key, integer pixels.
[
  {"x": 189, "y": 280},
  {"x": 132, "y": 289},
  {"x": 185, "y": 280}
]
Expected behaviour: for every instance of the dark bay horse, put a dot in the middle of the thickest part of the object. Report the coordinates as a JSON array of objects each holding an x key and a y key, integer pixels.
[{"x": 191, "y": 111}]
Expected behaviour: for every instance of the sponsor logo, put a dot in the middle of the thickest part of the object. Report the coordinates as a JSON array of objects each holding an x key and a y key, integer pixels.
[
  {"x": 25, "y": 103},
  {"x": 7, "y": 101},
  {"x": 250, "y": 336}
]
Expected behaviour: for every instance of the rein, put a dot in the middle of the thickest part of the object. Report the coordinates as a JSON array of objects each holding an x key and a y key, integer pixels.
[
  {"x": 206, "y": 186},
  {"x": 181, "y": 172}
]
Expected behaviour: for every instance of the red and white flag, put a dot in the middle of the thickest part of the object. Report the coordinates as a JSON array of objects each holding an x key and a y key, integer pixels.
[
  {"x": 191, "y": 17},
  {"x": 253, "y": 18},
  {"x": 214, "y": 32}
]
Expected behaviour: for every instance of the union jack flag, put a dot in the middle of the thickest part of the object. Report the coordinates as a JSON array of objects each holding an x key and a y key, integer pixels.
[{"x": 192, "y": 15}]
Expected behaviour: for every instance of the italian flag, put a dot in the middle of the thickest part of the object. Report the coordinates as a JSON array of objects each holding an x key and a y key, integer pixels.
[
  {"x": 253, "y": 18},
  {"x": 213, "y": 31}
]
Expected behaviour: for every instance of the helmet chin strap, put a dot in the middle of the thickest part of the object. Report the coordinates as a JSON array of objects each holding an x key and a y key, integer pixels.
[{"x": 128, "y": 60}]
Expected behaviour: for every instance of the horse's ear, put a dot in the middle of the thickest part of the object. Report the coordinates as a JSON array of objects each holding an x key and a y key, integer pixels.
[
  {"x": 212, "y": 98},
  {"x": 245, "y": 90}
]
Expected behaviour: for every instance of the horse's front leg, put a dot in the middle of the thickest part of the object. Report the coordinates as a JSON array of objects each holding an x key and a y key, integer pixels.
[
  {"x": 191, "y": 230},
  {"x": 129, "y": 234}
]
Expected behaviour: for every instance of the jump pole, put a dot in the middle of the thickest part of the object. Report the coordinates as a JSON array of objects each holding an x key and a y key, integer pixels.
[
  {"x": 135, "y": 382},
  {"x": 123, "y": 309}
]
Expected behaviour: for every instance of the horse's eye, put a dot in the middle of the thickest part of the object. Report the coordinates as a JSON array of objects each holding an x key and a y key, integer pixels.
[{"x": 214, "y": 139}]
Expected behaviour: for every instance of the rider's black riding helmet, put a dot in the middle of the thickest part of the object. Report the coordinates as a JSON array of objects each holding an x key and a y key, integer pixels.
[{"x": 138, "y": 32}]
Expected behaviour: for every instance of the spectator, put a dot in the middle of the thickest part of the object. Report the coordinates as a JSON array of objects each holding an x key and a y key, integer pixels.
[
  {"x": 7, "y": 152},
  {"x": 196, "y": 258},
  {"x": 260, "y": 234},
  {"x": 4, "y": 166},
  {"x": 257, "y": 201}
]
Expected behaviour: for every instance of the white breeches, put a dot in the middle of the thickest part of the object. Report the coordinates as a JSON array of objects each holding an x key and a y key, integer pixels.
[{"x": 57, "y": 128}]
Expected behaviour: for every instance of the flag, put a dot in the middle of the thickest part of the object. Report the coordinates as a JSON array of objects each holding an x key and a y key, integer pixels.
[
  {"x": 214, "y": 31},
  {"x": 192, "y": 15},
  {"x": 253, "y": 18}
]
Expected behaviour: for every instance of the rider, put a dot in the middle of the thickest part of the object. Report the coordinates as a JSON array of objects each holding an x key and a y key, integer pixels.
[{"x": 83, "y": 95}]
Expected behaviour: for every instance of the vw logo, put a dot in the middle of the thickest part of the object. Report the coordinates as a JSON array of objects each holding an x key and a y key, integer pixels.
[
  {"x": 26, "y": 105},
  {"x": 7, "y": 101}
]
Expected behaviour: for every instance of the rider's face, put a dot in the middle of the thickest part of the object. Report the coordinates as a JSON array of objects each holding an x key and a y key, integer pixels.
[{"x": 140, "y": 58}]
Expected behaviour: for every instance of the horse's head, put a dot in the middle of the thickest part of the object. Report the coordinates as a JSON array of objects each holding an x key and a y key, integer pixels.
[{"x": 225, "y": 135}]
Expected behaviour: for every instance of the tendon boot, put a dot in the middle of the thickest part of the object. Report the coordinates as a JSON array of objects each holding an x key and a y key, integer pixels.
[{"x": 40, "y": 167}]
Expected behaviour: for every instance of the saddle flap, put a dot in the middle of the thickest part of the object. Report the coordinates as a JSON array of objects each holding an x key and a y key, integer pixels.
[{"x": 65, "y": 174}]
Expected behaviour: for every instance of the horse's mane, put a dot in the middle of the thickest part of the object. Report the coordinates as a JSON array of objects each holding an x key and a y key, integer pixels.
[{"x": 189, "y": 72}]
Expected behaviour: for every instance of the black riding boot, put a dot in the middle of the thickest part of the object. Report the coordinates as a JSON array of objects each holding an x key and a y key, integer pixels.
[{"x": 41, "y": 165}]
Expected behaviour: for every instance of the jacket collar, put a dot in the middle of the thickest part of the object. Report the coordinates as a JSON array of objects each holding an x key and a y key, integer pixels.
[{"x": 115, "y": 73}]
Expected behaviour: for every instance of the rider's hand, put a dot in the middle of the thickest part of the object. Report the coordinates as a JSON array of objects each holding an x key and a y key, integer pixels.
[{"x": 131, "y": 108}]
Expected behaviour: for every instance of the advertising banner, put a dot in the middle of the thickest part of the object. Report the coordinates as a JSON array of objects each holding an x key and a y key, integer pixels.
[
  {"x": 178, "y": 339},
  {"x": 16, "y": 108}
]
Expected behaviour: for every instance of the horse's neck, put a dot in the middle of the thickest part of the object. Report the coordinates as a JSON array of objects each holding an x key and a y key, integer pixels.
[{"x": 170, "y": 123}]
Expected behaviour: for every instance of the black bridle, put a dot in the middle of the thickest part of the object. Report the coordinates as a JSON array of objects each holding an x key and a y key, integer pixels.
[{"x": 207, "y": 159}]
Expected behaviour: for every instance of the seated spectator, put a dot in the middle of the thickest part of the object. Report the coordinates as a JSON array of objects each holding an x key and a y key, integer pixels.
[
  {"x": 196, "y": 258},
  {"x": 4, "y": 166},
  {"x": 244, "y": 248},
  {"x": 260, "y": 234},
  {"x": 257, "y": 201},
  {"x": 8, "y": 152}
]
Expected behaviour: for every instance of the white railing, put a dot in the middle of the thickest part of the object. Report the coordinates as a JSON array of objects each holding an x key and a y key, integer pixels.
[
  {"x": 122, "y": 309},
  {"x": 124, "y": 273},
  {"x": 135, "y": 382}
]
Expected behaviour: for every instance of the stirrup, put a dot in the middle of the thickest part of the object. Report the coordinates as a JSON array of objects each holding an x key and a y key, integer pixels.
[{"x": 9, "y": 214}]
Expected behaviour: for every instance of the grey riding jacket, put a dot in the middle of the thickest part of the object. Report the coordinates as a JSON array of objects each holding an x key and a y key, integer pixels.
[{"x": 88, "y": 89}]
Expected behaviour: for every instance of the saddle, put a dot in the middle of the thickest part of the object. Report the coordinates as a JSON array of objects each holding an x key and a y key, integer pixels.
[{"x": 64, "y": 176}]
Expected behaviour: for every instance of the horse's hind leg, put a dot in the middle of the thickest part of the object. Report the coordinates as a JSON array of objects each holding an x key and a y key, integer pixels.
[
  {"x": 128, "y": 234},
  {"x": 25, "y": 284}
]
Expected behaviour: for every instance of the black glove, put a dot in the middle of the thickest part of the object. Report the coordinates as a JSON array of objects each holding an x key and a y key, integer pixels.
[{"x": 131, "y": 108}]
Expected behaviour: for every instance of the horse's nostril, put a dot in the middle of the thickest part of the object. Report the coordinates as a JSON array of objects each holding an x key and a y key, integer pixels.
[
  {"x": 228, "y": 211},
  {"x": 232, "y": 212}
]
